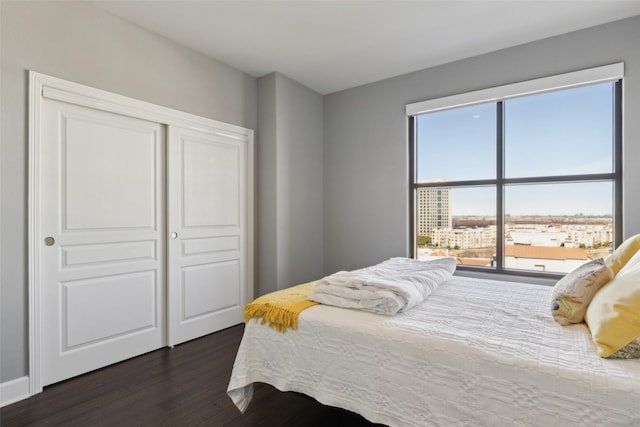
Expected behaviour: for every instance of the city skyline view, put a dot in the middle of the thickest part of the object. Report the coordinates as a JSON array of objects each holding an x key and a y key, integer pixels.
[
  {"x": 535, "y": 200},
  {"x": 553, "y": 192},
  {"x": 550, "y": 243},
  {"x": 557, "y": 133}
]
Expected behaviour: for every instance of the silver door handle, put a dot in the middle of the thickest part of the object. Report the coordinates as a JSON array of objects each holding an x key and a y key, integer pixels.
[
  {"x": 49, "y": 241},
  {"x": 174, "y": 235}
]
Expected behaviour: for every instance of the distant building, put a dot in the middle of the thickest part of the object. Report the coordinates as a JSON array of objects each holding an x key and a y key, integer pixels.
[
  {"x": 590, "y": 235},
  {"x": 481, "y": 237},
  {"x": 544, "y": 258},
  {"x": 568, "y": 235},
  {"x": 433, "y": 209},
  {"x": 476, "y": 262},
  {"x": 543, "y": 236}
]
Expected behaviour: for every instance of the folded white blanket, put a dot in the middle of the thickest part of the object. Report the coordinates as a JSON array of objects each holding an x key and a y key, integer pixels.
[{"x": 392, "y": 286}]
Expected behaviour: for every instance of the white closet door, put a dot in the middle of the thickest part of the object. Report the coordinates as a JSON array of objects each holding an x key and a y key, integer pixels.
[
  {"x": 102, "y": 223},
  {"x": 207, "y": 226}
]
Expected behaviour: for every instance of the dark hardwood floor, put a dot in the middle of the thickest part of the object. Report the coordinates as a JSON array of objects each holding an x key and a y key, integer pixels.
[{"x": 183, "y": 386}]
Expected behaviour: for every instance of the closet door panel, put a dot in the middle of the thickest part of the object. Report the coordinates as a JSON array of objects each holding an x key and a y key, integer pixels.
[
  {"x": 200, "y": 297},
  {"x": 207, "y": 213},
  {"x": 211, "y": 184},
  {"x": 102, "y": 222}
]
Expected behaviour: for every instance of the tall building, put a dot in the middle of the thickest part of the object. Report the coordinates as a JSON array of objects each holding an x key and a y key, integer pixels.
[{"x": 433, "y": 209}]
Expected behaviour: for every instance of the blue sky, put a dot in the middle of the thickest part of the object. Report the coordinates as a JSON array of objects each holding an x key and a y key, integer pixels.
[{"x": 556, "y": 133}]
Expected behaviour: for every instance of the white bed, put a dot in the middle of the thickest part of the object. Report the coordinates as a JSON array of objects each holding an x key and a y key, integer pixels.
[{"x": 474, "y": 353}]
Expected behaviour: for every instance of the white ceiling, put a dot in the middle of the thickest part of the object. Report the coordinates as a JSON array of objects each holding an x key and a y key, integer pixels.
[{"x": 334, "y": 45}]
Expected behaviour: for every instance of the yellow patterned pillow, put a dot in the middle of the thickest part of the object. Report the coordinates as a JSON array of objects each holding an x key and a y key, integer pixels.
[
  {"x": 614, "y": 313},
  {"x": 625, "y": 251},
  {"x": 573, "y": 293},
  {"x": 634, "y": 260}
]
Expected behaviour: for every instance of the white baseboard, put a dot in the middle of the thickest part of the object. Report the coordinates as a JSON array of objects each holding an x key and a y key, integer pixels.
[{"x": 14, "y": 391}]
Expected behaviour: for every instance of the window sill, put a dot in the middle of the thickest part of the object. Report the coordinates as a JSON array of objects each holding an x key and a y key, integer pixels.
[{"x": 507, "y": 277}]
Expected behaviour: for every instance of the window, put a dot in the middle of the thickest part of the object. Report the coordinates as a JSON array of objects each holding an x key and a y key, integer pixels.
[{"x": 527, "y": 182}]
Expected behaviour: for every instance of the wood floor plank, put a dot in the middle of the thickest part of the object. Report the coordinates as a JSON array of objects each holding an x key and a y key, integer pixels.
[{"x": 181, "y": 386}]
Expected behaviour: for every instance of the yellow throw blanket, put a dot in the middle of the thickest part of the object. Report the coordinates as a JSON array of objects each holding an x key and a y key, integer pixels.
[{"x": 281, "y": 308}]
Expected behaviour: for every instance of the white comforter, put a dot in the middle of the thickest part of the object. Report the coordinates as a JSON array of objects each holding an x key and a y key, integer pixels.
[
  {"x": 390, "y": 287},
  {"x": 474, "y": 353}
]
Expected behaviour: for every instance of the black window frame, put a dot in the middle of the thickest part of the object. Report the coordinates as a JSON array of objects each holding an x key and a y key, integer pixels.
[{"x": 500, "y": 182}]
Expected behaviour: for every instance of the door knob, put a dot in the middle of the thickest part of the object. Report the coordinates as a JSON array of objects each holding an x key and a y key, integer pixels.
[
  {"x": 49, "y": 241},
  {"x": 174, "y": 235}
]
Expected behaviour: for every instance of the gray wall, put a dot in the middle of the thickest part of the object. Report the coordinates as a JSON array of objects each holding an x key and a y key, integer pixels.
[
  {"x": 78, "y": 42},
  {"x": 290, "y": 184},
  {"x": 366, "y": 149}
]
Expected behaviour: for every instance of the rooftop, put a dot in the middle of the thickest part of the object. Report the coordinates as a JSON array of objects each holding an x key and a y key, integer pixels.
[{"x": 544, "y": 252}]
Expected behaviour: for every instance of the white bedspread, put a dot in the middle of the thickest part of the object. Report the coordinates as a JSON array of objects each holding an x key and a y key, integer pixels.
[
  {"x": 395, "y": 285},
  {"x": 475, "y": 353}
]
